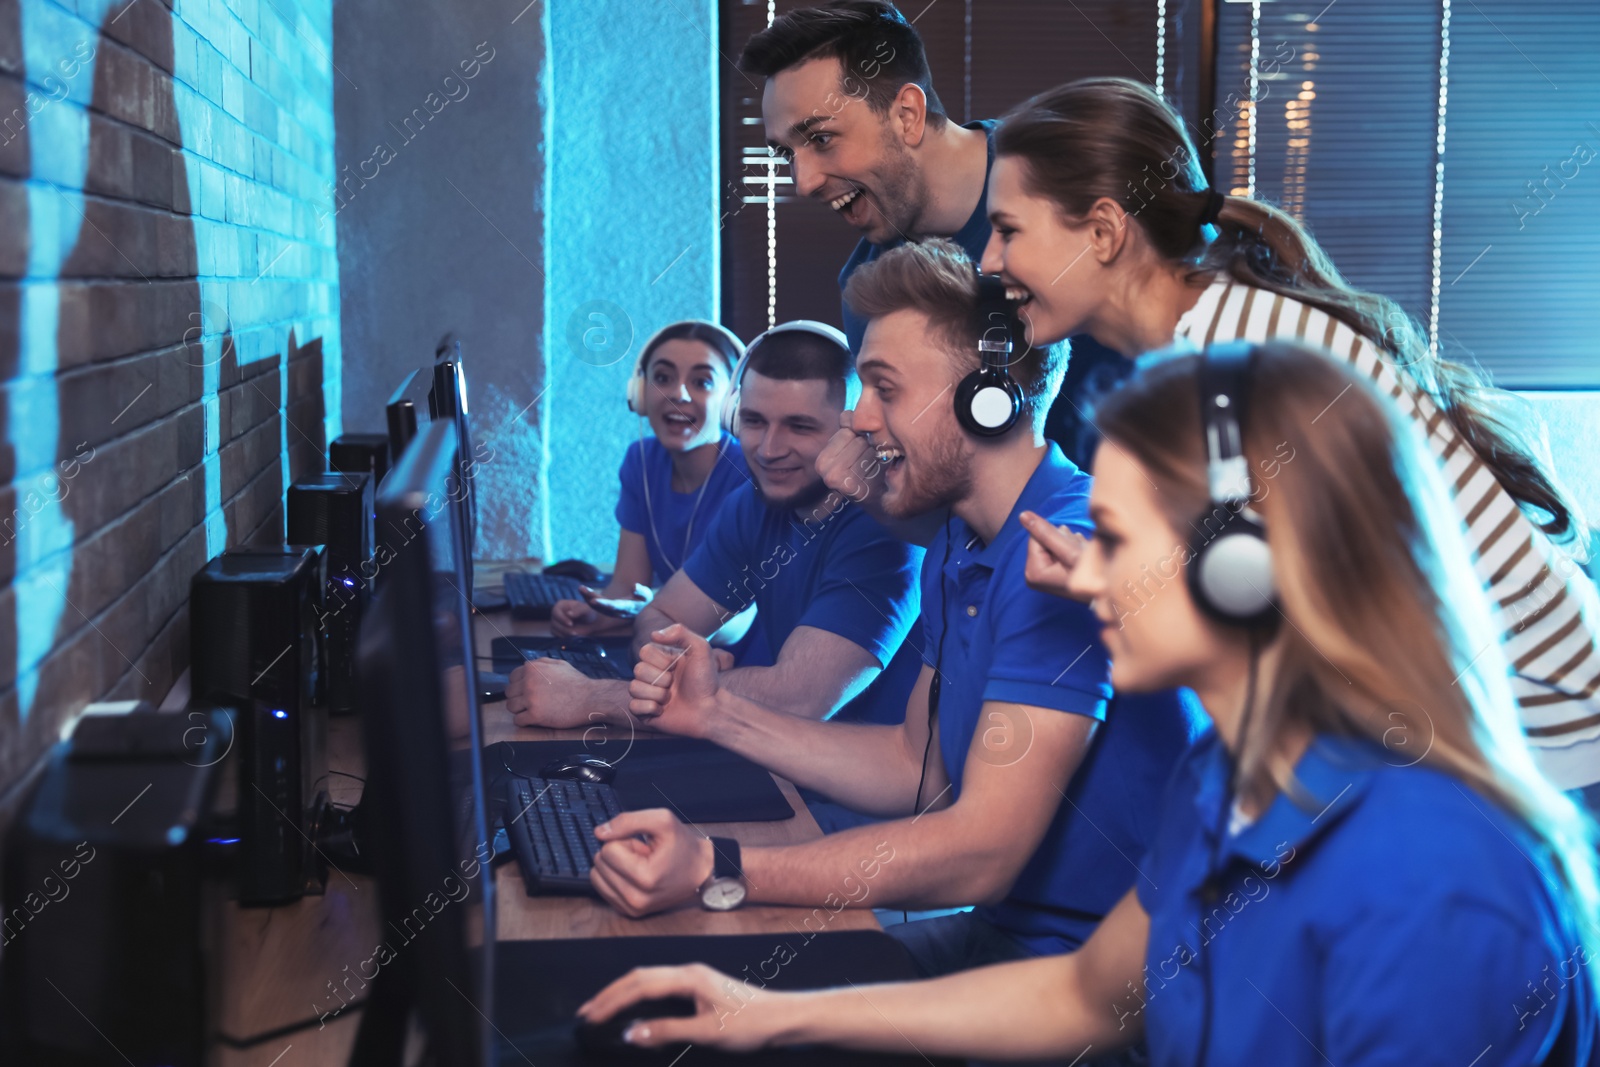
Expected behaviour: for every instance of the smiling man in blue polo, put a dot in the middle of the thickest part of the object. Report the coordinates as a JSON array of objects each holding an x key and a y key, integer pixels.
[{"x": 1017, "y": 782}]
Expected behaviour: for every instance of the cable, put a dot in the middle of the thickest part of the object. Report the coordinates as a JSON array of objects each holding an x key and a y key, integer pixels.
[
  {"x": 287, "y": 1029},
  {"x": 938, "y": 672},
  {"x": 1221, "y": 831},
  {"x": 688, "y": 533},
  {"x": 933, "y": 687}
]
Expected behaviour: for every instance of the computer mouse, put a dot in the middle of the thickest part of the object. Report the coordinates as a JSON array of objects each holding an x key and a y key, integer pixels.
[
  {"x": 602, "y": 1042},
  {"x": 585, "y": 572},
  {"x": 492, "y": 685},
  {"x": 579, "y": 767}
]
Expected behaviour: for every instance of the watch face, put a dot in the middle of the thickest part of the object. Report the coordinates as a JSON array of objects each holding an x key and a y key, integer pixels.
[{"x": 723, "y": 894}]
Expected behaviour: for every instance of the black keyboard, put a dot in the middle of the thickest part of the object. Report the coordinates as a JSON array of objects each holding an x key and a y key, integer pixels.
[
  {"x": 590, "y": 664},
  {"x": 532, "y": 596},
  {"x": 553, "y": 836}
]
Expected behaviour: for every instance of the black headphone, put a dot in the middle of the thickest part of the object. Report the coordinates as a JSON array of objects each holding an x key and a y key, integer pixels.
[
  {"x": 1230, "y": 569},
  {"x": 989, "y": 400}
]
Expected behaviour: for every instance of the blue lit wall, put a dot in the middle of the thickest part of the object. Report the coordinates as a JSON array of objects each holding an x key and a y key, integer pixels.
[
  {"x": 168, "y": 326},
  {"x": 438, "y": 201},
  {"x": 630, "y": 192}
]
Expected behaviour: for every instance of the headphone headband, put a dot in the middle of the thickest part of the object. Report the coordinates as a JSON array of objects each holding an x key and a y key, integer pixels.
[
  {"x": 636, "y": 379},
  {"x": 730, "y": 410},
  {"x": 1223, "y": 372},
  {"x": 997, "y": 322},
  {"x": 1230, "y": 570}
]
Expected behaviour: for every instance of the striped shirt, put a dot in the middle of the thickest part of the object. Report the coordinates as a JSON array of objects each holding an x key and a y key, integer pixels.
[{"x": 1545, "y": 607}]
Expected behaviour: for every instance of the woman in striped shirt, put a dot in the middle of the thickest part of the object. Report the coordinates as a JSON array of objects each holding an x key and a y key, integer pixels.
[{"x": 1103, "y": 224}]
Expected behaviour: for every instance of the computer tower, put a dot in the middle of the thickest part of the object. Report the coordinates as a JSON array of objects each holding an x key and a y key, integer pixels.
[
  {"x": 106, "y": 893},
  {"x": 254, "y": 646},
  {"x": 335, "y": 511},
  {"x": 360, "y": 453}
]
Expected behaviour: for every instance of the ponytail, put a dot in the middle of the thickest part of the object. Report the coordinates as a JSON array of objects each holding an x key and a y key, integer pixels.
[
  {"x": 1117, "y": 139},
  {"x": 1263, "y": 246}
]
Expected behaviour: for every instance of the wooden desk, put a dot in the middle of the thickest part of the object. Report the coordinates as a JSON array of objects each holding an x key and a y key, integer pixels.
[{"x": 277, "y": 966}]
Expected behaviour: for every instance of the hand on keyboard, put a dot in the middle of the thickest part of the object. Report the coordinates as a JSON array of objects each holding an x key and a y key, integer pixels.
[
  {"x": 675, "y": 683},
  {"x": 549, "y": 692},
  {"x": 641, "y": 877}
]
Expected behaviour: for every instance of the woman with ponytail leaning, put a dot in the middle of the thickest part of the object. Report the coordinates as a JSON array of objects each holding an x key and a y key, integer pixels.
[
  {"x": 1101, "y": 217},
  {"x": 1360, "y": 865}
]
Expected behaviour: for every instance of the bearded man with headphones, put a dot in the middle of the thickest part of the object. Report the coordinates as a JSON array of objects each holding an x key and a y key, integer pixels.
[{"x": 1015, "y": 782}]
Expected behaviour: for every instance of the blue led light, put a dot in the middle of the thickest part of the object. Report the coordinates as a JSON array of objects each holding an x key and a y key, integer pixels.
[
  {"x": 348, "y": 582},
  {"x": 280, "y": 714}
]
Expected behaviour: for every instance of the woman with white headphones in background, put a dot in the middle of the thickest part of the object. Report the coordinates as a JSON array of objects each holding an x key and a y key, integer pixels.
[{"x": 671, "y": 482}]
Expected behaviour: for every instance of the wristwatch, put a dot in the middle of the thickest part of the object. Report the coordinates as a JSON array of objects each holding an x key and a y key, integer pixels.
[{"x": 725, "y": 889}]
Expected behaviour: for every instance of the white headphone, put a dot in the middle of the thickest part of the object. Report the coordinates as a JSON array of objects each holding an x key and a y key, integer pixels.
[
  {"x": 636, "y": 382},
  {"x": 730, "y": 409}
]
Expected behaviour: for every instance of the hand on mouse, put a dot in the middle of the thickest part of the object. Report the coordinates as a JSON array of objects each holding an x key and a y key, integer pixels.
[
  {"x": 649, "y": 862},
  {"x": 729, "y": 1014},
  {"x": 1053, "y": 552},
  {"x": 675, "y": 684},
  {"x": 548, "y": 692}
]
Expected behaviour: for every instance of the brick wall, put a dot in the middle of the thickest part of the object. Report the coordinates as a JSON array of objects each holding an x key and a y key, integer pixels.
[{"x": 168, "y": 325}]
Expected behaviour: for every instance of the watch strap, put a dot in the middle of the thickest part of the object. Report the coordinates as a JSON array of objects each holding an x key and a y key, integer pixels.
[{"x": 726, "y": 859}]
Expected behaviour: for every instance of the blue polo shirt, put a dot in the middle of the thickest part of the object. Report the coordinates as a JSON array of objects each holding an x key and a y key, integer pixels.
[
  {"x": 1392, "y": 916},
  {"x": 842, "y": 573},
  {"x": 672, "y": 523},
  {"x": 973, "y": 237},
  {"x": 1009, "y": 643}
]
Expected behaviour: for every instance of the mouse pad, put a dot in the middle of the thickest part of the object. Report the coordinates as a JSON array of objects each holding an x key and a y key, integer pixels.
[
  {"x": 699, "y": 780},
  {"x": 539, "y": 985}
]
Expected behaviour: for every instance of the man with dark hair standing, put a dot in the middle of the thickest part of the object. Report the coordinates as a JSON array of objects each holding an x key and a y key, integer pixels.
[{"x": 849, "y": 102}]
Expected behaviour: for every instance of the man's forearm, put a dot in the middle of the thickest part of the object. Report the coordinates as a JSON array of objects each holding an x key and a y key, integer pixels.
[
  {"x": 862, "y": 765},
  {"x": 648, "y": 621},
  {"x": 775, "y": 687},
  {"x": 605, "y": 701},
  {"x": 936, "y": 860}
]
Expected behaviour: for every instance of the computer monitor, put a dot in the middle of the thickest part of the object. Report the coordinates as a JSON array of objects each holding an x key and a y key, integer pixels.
[
  {"x": 447, "y": 399},
  {"x": 426, "y": 825},
  {"x": 401, "y": 412}
]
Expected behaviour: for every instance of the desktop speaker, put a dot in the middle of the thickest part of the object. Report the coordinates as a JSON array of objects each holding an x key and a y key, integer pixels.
[
  {"x": 360, "y": 453},
  {"x": 253, "y": 645},
  {"x": 335, "y": 511},
  {"x": 105, "y": 893}
]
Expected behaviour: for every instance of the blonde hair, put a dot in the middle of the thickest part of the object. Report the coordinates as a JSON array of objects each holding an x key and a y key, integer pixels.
[{"x": 1406, "y": 657}]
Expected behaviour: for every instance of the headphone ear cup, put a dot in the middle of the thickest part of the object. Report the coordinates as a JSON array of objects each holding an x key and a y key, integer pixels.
[
  {"x": 1230, "y": 572},
  {"x": 730, "y": 412},
  {"x": 636, "y": 393},
  {"x": 988, "y": 402}
]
